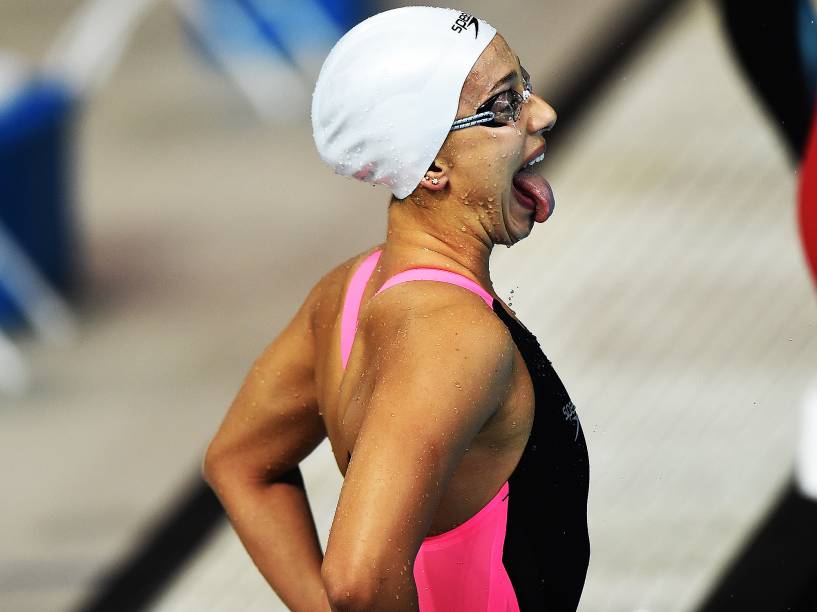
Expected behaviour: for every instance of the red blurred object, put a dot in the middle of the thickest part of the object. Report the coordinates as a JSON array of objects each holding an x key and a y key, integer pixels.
[{"x": 808, "y": 199}]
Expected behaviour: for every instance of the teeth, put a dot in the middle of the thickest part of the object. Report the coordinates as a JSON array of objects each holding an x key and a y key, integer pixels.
[{"x": 535, "y": 160}]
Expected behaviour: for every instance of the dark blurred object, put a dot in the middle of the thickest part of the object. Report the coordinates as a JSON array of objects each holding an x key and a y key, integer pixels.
[
  {"x": 807, "y": 40},
  {"x": 168, "y": 544},
  {"x": 35, "y": 185},
  {"x": 765, "y": 39},
  {"x": 776, "y": 570}
]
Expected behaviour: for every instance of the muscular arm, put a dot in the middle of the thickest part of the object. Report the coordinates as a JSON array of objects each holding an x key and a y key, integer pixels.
[
  {"x": 439, "y": 378},
  {"x": 252, "y": 465}
]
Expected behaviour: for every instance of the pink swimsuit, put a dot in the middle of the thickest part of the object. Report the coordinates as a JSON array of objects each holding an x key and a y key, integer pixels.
[
  {"x": 460, "y": 569},
  {"x": 528, "y": 553}
]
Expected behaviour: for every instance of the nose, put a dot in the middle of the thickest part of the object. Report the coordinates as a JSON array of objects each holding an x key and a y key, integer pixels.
[{"x": 542, "y": 117}]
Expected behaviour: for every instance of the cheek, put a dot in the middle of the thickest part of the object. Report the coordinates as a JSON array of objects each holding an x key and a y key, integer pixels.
[
  {"x": 499, "y": 165},
  {"x": 487, "y": 168},
  {"x": 499, "y": 177},
  {"x": 492, "y": 182}
]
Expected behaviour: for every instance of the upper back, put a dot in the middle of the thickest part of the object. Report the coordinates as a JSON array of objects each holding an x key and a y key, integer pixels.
[{"x": 358, "y": 315}]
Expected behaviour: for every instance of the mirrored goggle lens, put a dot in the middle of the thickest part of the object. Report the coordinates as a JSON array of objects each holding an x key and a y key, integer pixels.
[{"x": 507, "y": 107}]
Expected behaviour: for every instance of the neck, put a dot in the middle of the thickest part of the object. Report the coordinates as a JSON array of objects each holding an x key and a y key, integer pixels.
[{"x": 424, "y": 234}]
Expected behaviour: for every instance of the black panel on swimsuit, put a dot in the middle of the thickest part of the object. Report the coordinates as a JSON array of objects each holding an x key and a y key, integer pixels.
[{"x": 547, "y": 548}]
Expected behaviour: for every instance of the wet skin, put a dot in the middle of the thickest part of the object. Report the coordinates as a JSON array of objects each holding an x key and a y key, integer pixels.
[
  {"x": 297, "y": 394},
  {"x": 472, "y": 207}
]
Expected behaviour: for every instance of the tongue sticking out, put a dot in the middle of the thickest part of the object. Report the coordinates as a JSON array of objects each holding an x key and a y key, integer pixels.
[{"x": 534, "y": 192}]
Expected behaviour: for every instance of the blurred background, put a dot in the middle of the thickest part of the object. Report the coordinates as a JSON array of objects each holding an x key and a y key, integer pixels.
[{"x": 163, "y": 213}]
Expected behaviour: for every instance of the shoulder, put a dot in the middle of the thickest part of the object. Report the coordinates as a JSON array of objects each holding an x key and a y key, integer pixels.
[
  {"x": 341, "y": 272},
  {"x": 443, "y": 358},
  {"x": 432, "y": 320},
  {"x": 326, "y": 294}
]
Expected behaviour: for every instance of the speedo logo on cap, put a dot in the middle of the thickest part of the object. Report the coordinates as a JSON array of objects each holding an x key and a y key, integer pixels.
[{"x": 464, "y": 22}]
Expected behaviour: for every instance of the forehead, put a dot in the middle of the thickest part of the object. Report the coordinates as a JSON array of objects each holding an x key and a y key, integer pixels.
[{"x": 497, "y": 60}]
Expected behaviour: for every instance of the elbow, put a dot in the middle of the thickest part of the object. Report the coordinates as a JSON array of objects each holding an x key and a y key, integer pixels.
[
  {"x": 212, "y": 465},
  {"x": 347, "y": 592},
  {"x": 349, "y": 600}
]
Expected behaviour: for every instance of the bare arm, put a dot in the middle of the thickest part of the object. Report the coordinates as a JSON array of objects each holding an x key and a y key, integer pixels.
[
  {"x": 439, "y": 379},
  {"x": 252, "y": 465}
]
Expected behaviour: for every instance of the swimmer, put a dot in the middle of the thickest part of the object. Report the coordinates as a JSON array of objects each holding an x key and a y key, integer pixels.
[{"x": 464, "y": 461}]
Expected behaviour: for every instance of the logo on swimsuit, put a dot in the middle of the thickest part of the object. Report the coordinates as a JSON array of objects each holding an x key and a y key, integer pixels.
[
  {"x": 569, "y": 410},
  {"x": 464, "y": 22}
]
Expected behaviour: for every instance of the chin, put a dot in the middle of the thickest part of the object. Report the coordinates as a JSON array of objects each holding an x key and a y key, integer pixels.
[
  {"x": 518, "y": 230},
  {"x": 515, "y": 236},
  {"x": 522, "y": 236}
]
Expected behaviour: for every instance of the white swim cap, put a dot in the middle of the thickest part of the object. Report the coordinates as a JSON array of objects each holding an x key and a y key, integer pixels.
[{"x": 389, "y": 90}]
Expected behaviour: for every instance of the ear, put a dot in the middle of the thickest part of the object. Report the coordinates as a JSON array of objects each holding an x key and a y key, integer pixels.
[{"x": 435, "y": 173}]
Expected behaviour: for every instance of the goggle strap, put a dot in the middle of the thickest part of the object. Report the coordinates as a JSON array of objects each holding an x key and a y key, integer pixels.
[{"x": 465, "y": 122}]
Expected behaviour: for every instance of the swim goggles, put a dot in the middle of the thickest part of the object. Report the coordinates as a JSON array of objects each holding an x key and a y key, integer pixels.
[{"x": 501, "y": 109}]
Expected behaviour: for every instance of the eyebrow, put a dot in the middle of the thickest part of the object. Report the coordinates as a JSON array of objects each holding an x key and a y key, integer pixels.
[{"x": 507, "y": 78}]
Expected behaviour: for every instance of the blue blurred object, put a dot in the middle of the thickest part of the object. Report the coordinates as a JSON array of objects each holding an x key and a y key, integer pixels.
[
  {"x": 271, "y": 50},
  {"x": 278, "y": 26},
  {"x": 35, "y": 184},
  {"x": 348, "y": 14},
  {"x": 807, "y": 35}
]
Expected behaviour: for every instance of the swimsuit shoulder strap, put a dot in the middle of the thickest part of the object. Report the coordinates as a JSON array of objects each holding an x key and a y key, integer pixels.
[
  {"x": 351, "y": 304},
  {"x": 354, "y": 294},
  {"x": 435, "y": 274}
]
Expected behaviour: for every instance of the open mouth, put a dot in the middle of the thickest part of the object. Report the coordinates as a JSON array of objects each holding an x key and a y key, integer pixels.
[
  {"x": 532, "y": 162},
  {"x": 531, "y": 190}
]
